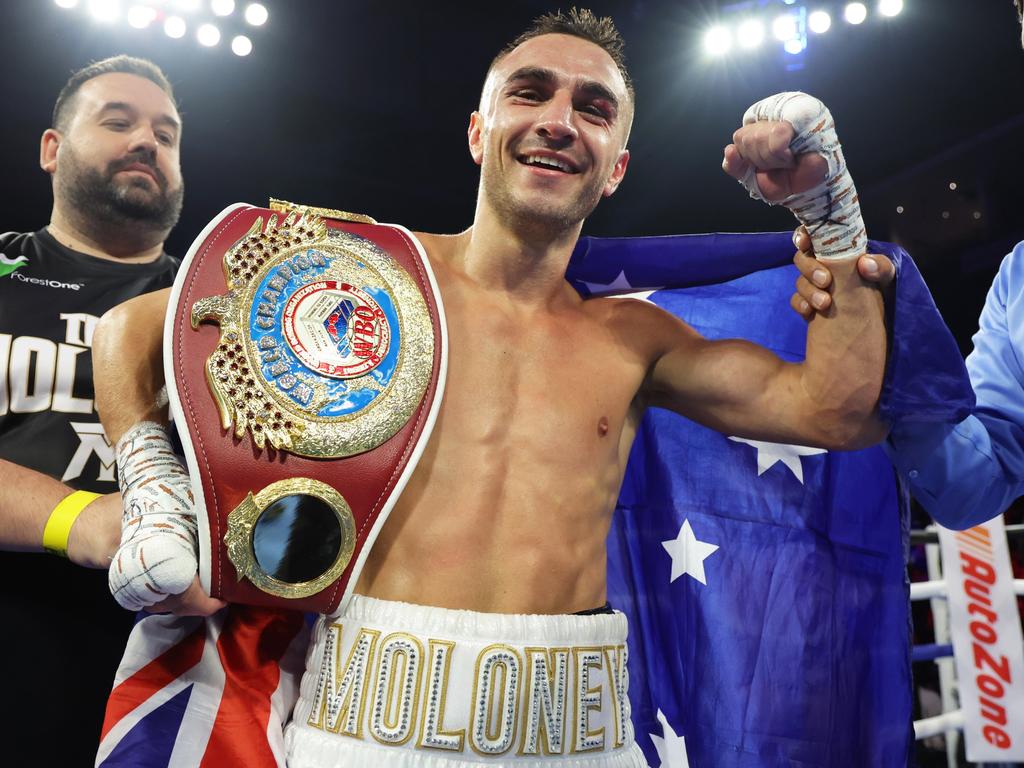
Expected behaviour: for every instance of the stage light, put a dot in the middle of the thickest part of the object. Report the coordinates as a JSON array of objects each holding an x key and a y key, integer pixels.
[
  {"x": 241, "y": 46},
  {"x": 174, "y": 26},
  {"x": 899, "y": 209},
  {"x": 141, "y": 16},
  {"x": 222, "y": 7},
  {"x": 750, "y": 34},
  {"x": 952, "y": 186},
  {"x": 66, "y": 3},
  {"x": 256, "y": 14},
  {"x": 784, "y": 27},
  {"x": 819, "y": 22},
  {"x": 105, "y": 10},
  {"x": 890, "y": 7},
  {"x": 794, "y": 47},
  {"x": 208, "y": 35},
  {"x": 855, "y": 13},
  {"x": 718, "y": 41}
]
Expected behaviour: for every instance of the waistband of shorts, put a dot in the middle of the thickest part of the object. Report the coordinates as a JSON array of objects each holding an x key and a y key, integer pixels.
[{"x": 514, "y": 628}]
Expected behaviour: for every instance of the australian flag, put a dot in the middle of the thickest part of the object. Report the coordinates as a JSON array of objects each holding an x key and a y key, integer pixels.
[{"x": 765, "y": 584}]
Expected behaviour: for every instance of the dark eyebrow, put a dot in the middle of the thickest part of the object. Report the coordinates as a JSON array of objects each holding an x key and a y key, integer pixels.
[
  {"x": 591, "y": 88},
  {"x": 123, "y": 106}
]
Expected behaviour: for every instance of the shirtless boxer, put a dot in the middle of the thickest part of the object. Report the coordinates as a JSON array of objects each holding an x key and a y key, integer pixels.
[{"x": 460, "y": 646}]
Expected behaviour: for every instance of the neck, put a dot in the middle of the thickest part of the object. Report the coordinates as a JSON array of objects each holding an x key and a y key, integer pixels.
[
  {"x": 526, "y": 262},
  {"x": 131, "y": 245}
]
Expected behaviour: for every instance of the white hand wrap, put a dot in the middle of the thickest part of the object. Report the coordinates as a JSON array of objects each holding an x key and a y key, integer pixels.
[
  {"x": 157, "y": 557},
  {"x": 830, "y": 210}
]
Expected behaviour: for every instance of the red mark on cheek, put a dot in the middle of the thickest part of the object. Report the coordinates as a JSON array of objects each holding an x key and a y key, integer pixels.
[{"x": 602, "y": 426}]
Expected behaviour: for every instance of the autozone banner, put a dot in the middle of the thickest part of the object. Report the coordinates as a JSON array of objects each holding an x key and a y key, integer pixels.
[{"x": 985, "y": 625}]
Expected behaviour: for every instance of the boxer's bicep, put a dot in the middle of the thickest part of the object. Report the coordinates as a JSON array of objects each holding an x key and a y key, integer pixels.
[
  {"x": 127, "y": 359},
  {"x": 733, "y": 386}
]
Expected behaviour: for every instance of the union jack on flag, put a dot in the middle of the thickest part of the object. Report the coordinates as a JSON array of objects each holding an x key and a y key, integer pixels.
[{"x": 206, "y": 692}]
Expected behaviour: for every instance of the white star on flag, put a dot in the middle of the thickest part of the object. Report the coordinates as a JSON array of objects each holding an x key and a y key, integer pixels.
[
  {"x": 619, "y": 285},
  {"x": 688, "y": 554},
  {"x": 769, "y": 454},
  {"x": 671, "y": 748}
]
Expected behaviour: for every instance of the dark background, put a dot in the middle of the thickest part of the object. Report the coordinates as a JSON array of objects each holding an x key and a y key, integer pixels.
[{"x": 363, "y": 105}]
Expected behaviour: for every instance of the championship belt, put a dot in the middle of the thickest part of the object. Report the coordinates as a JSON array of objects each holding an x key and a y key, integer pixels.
[{"x": 305, "y": 351}]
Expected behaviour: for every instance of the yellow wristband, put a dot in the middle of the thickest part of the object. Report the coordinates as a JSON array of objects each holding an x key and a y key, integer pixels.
[{"x": 58, "y": 526}]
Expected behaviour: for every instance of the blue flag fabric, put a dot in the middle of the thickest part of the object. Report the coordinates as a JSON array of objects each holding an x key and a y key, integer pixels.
[{"x": 765, "y": 585}]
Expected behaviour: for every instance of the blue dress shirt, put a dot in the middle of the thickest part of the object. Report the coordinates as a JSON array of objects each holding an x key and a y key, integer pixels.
[{"x": 969, "y": 472}]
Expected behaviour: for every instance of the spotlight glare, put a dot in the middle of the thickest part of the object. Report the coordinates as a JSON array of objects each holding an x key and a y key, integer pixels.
[
  {"x": 256, "y": 14},
  {"x": 222, "y": 7},
  {"x": 855, "y": 13},
  {"x": 794, "y": 47},
  {"x": 66, "y": 3},
  {"x": 750, "y": 34},
  {"x": 899, "y": 209},
  {"x": 718, "y": 41},
  {"x": 105, "y": 10},
  {"x": 208, "y": 35},
  {"x": 174, "y": 26},
  {"x": 819, "y": 22},
  {"x": 241, "y": 46},
  {"x": 141, "y": 16},
  {"x": 784, "y": 27},
  {"x": 890, "y": 7}
]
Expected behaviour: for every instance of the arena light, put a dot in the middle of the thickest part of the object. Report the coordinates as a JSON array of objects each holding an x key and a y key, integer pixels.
[
  {"x": 241, "y": 45},
  {"x": 794, "y": 47},
  {"x": 222, "y": 7},
  {"x": 174, "y": 26},
  {"x": 819, "y": 22},
  {"x": 256, "y": 14},
  {"x": 208, "y": 35},
  {"x": 718, "y": 41},
  {"x": 750, "y": 34},
  {"x": 105, "y": 10},
  {"x": 141, "y": 16},
  {"x": 784, "y": 28},
  {"x": 66, "y": 3},
  {"x": 855, "y": 13},
  {"x": 890, "y": 7}
]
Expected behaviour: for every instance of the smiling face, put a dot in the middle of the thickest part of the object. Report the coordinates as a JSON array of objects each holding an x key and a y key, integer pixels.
[
  {"x": 551, "y": 131},
  {"x": 116, "y": 160}
]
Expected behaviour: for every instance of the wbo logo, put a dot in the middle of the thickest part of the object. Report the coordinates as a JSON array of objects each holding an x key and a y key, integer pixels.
[{"x": 9, "y": 265}]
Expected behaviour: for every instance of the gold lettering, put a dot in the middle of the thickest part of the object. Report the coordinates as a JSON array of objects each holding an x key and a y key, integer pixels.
[{"x": 340, "y": 698}]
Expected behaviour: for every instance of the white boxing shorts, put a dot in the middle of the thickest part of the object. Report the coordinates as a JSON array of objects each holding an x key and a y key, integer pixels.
[{"x": 392, "y": 684}]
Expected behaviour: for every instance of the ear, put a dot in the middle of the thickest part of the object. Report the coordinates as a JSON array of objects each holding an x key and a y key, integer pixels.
[
  {"x": 618, "y": 171},
  {"x": 48, "y": 146},
  {"x": 475, "y": 136}
]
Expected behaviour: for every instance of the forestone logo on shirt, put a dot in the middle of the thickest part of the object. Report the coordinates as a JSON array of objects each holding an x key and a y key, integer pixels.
[
  {"x": 9, "y": 265},
  {"x": 43, "y": 281}
]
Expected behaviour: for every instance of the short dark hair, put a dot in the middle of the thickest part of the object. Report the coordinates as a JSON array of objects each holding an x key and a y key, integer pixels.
[
  {"x": 63, "y": 108},
  {"x": 582, "y": 23}
]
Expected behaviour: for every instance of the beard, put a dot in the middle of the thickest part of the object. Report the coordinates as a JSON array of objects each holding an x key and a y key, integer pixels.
[
  {"x": 550, "y": 217},
  {"x": 97, "y": 196}
]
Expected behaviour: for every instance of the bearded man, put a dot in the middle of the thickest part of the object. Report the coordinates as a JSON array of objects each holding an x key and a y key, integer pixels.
[{"x": 112, "y": 154}]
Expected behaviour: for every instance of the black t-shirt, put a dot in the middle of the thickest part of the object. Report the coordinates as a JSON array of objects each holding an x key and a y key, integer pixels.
[{"x": 61, "y": 634}]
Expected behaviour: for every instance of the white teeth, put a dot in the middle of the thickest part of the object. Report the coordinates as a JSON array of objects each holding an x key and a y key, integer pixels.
[{"x": 548, "y": 162}]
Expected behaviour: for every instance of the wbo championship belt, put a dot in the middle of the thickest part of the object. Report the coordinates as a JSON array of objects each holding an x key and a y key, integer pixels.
[{"x": 305, "y": 352}]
